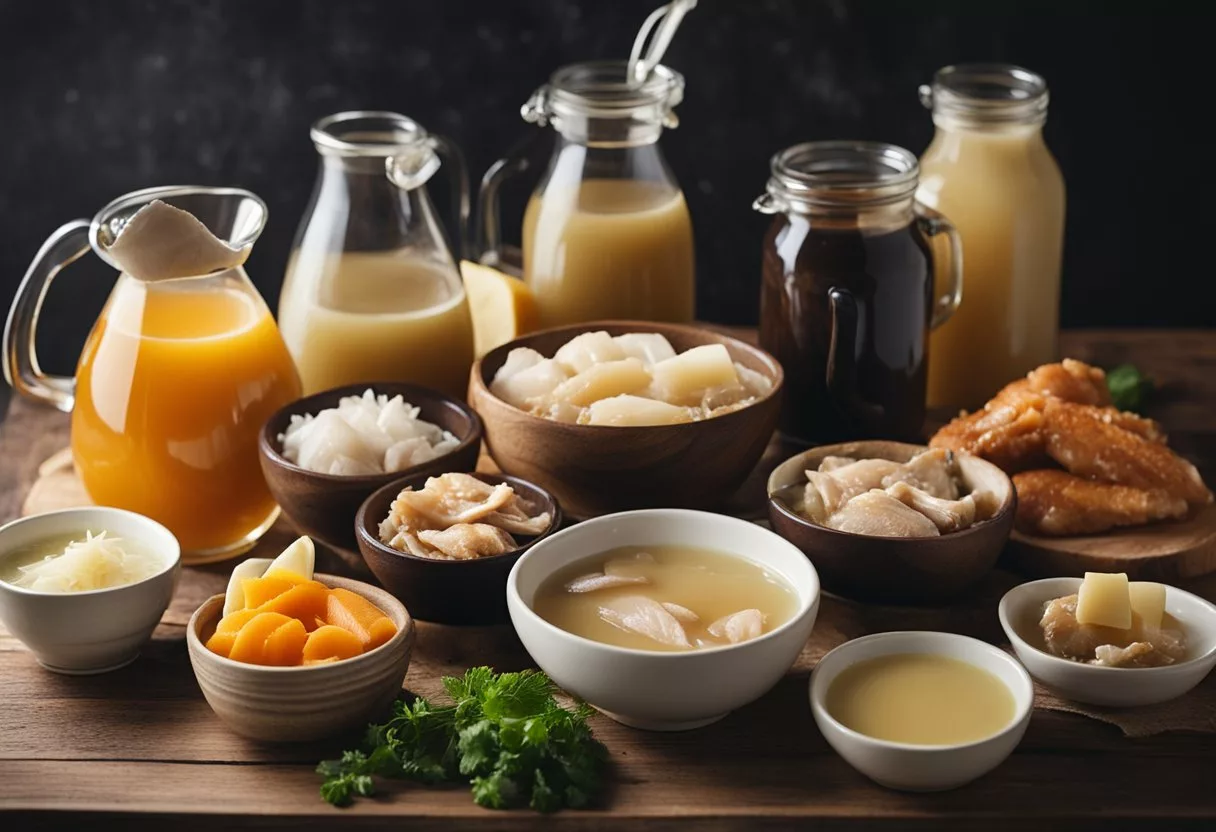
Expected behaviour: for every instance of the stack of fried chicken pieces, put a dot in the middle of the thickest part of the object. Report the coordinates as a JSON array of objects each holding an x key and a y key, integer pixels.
[{"x": 1080, "y": 466}]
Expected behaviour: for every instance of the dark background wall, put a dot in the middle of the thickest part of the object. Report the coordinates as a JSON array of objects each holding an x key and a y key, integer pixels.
[{"x": 99, "y": 98}]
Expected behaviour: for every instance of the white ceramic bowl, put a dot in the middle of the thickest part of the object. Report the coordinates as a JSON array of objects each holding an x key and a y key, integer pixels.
[
  {"x": 655, "y": 690},
  {"x": 1022, "y": 608},
  {"x": 297, "y": 704},
  {"x": 99, "y": 630},
  {"x": 922, "y": 768}
]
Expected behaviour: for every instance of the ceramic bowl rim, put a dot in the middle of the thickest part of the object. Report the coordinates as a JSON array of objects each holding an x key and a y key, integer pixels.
[
  {"x": 1021, "y": 713},
  {"x": 1007, "y": 600},
  {"x": 1007, "y": 507},
  {"x": 363, "y": 535},
  {"x": 170, "y": 565},
  {"x": 806, "y": 606},
  {"x": 776, "y": 373},
  {"x": 271, "y": 447},
  {"x": 403, "y": 633}
]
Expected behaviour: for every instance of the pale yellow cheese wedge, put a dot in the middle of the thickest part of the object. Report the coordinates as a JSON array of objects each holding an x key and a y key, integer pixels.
[
  {"x": 635, "y": 411},
  {"x": 682, "y": 379},
  {"x": 1104, "y": 599},
  {"x": 501, "y": 305},
  {"x": 602, "y": 381},
  {"x": 1148, "y": 602}
]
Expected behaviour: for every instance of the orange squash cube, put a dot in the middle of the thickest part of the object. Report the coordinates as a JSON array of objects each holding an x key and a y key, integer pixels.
[
  {"x": 365, "y": 620},
  {"x": 260, "y": 590},
  {"x": 250, "y": 643},
  {"x": 285, "y": 646},
  {"x": 221, "y": 643},
  {"x": 330, "y": 642},
  {"x": 234, "y": 621},
  {"x": 305, "y": 601}
]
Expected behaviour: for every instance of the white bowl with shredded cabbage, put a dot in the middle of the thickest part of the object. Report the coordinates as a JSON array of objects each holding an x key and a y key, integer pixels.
[{"x": 84, "y": 588}]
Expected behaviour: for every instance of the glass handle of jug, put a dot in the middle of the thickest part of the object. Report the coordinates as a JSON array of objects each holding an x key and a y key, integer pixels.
[
  {"x": 931, "y": 225},
  {"x": 21, "y": 367},
  {"x": 841, "y": 368},
  {"x": 490, "y": 248},
  {"x": 460, "y": 192}
]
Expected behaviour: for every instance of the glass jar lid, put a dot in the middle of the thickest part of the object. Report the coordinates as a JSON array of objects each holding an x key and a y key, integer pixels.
[
  {"x": 606, "y": 90},
  {"x": 841, "y": 175},
  {"x": 987, "y": 94}
]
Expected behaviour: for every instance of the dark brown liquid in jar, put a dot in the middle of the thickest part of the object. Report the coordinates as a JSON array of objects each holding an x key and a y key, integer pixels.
[{"x": 889, "y": 273}]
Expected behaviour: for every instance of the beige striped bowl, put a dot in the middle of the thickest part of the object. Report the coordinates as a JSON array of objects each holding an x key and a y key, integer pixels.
[{"x": 295, "y": 704}]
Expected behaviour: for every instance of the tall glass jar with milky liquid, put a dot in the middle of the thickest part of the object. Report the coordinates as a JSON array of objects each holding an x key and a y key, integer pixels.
[
  {"x": 372, "y": 291},
  {"x": 989, "y": 170},
  {"x": 606, "y": 233}
]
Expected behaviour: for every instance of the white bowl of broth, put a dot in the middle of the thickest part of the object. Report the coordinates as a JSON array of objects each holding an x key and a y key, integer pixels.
[
  {"x": 921, "y": 711},
  {"x": 711, "y": 566},
  {"x": 95, "y": 629}
]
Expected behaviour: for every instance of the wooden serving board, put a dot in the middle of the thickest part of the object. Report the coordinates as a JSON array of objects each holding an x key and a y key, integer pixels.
[{"x": 1165, "y": 552}]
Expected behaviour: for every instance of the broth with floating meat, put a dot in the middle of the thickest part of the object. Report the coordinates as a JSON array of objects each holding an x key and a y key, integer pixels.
[{"x": 668, "y": 598}]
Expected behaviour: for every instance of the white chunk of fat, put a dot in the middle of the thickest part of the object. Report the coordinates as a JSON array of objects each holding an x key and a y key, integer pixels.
[
  {"x": 685, "y": 378},
  {"x": 681, "y": 613},
  {"x": 646, "y": 617},
  {"x": 584, "y": 351},
  {"x": 1104, "y": 599},
  {"x": 602, "y": 381},
  {"x": 530, "y": 385},
  {"x": 739, "y": 626},
  {"x": 1147, "y": 601},
  {"x": 635, "y": 411},
  {"x": 161, "y": 242},
  {"x": 598, "y": 580},
  {"x": 647, "y": 347}
]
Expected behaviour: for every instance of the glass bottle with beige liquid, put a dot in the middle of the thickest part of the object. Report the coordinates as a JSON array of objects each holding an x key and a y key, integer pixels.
[
  {"x": 989, "y": 170},
  {"x": 372, "y": 291},
  {"x": 606, "y": 233}
]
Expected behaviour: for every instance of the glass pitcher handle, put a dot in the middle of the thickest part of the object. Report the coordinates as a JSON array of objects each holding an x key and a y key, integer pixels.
[
  {"x": 415, "y": 165},
  {"x": 931, "y": 224},
  {"x": 460, "y": 191},
  {"x": 489, "y": 246},
  {"x": 841, "y": 370},
  {"x": 21, "y": 367}
]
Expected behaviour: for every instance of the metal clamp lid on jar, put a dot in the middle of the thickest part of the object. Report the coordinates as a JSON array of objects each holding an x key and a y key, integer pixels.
[
  {"x": 996, "y": 94},
  {"x": 838, "y": 175},
  {"x": 603, "y": 89}
]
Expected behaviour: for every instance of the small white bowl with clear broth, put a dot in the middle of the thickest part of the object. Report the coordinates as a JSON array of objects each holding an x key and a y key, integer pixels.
[
  {"x": 96, "y": 630},
  {"x": 924, "y": 764},
  {"x": 665, "y": 689}
]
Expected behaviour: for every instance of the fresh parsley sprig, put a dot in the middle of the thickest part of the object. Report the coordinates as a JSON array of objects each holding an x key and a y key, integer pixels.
[
  {"x": 505, "y": 735},
  {"x": 1129, "y": 388}
]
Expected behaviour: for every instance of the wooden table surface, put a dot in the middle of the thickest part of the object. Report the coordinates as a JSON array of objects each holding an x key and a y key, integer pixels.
[{"x": 139, "y": 747}]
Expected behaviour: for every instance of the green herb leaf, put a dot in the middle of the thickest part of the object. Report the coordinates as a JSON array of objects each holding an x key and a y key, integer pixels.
[
  {"x": 1129, "y": 389},
  {"x": 504, "y": 734}
]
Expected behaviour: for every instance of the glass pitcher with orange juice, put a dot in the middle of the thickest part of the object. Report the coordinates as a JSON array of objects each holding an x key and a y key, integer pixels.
[
  {"x": 372, "y": 291},
  {"x": 176, "y": 378}
]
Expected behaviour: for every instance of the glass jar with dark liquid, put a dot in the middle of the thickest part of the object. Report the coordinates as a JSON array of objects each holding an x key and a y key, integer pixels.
[{"x": 847, "y": 298}]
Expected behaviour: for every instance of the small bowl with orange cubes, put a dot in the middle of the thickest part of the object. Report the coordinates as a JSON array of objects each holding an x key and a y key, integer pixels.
[{"x": 286, "y": 655}]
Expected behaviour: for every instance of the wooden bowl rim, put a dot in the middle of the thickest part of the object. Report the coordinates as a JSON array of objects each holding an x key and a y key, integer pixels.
[
  {"x": 364, "y": 534},
  {"x": 404, "y": 635},
  {"x": 268, "y": 444},
  {"x": 776, "y": 373},
  {"x": 1007, "y": 508}
]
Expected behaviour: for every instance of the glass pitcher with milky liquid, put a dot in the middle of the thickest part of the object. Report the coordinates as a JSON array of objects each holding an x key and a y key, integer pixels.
[
  {"x": 175, "y": 381},
  {"x": 606, "y": 233},
  {"x": 372, "y": 290}
]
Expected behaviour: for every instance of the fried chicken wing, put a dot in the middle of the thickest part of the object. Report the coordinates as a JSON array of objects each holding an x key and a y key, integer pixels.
[
  {"x": 1082, "y": 440},
  {"x": 1072, "y": 381},
  {"x": 1053, "y": 502},
  {"x": 1007, "y": 432}
]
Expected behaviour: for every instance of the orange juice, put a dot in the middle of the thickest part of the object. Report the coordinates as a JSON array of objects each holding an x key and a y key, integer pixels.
[{"x": 174, "y": 384}]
